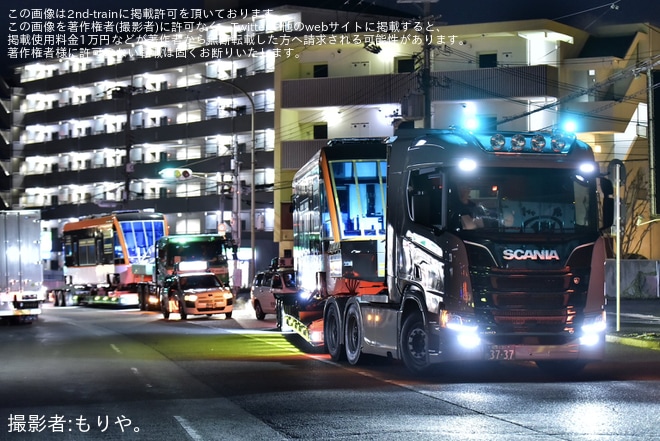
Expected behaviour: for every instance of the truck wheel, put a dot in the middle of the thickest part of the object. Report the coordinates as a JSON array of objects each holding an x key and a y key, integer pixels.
[
  {"x": 182, "y": 310},
  {"x": 142, "y": 296},
  {"x": 62, "y": 298},
  {"x": 353, "y": 334},
  {"x": 258, "y": 311},
  {"x": 164, "y": 306},
  {"x": 278, "y": 314},
  {"x": 414, "y": 344},
  {"x": 332, "y": 333},
  {"x": 227, "y": 315},
  {"x": 56, "y": 298}
]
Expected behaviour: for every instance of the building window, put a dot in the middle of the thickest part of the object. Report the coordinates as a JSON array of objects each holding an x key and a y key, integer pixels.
[
  {"x": 320, "y": 131},
  {"x": 404, "y": 65},
  {"x": 488, "y": 60},
  {"x": 320, "y": 71}
]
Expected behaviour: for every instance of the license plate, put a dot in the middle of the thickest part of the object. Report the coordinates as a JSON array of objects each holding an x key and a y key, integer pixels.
[{"x": 501, "y": 352}]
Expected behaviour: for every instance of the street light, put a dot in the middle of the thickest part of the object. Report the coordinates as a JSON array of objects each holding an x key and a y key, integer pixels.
[{"x": 252, "y": 165}]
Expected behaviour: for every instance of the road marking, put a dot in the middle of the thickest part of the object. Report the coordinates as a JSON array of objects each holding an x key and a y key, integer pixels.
[
  {"x": 640, "y": 316},
  {"x": 115, "y": 348},
  {"x": 188, "y": 428}
]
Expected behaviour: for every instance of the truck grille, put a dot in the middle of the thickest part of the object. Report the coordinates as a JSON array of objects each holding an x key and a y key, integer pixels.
[
  {"x": 527, "y": 304},
  {"x": 526, "y": 318}
]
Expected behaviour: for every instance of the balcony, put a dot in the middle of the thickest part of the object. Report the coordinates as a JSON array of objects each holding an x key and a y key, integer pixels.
[
  {"x": 499, "y": 82},
  {"x": 158, "y": 134},
  {"x": 157, "y": 99},
  {"x": 607, "y": 112}
]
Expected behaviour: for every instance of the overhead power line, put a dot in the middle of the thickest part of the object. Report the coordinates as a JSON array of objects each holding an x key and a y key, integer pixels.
[{"x": 646, "y": 65}]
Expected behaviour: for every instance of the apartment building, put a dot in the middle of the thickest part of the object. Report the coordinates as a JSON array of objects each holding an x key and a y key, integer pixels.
[{"x": 97, "y": 131}]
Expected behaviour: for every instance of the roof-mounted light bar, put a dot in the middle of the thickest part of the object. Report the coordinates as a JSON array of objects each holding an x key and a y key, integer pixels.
[{"x": 557, "y": 142}]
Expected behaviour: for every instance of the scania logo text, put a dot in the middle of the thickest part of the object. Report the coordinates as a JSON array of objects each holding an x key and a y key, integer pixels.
[{"x": 530, "y": 254}]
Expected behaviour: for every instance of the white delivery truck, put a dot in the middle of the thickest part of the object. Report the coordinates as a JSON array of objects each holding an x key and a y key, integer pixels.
[{"x": 22, "y": 291}]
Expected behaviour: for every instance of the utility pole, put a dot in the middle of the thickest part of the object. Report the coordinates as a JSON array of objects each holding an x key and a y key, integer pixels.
[
  {"x": 236, "y": 199},
  {"x": 253, "y": 163},
  {"x": 427, "y": 45},
  {"x": 426, "y": 69},
  {"x": 651, "y": 75}
]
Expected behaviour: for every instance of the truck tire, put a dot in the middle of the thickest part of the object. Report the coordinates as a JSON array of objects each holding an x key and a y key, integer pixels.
[
  {"x": 182, "y": 310},
  {"x": 165, "y": 308},
  {"x": 332, "y": 333},
  {"x": 278, "y": 314},
  {"x": 142, "y": 297},
  {"x": 62, "y": 298},
  {"x": 258, "y": 311},
  {"x": 415, "y": 344},
  {"x": 227, "y": 315},
  {"x": 353, "y": 334}
]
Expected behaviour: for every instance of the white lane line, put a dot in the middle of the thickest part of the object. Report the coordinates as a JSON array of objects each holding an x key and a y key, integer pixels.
[
  {"x": 188, "y": 428},
  {"x": 115, "y": 348}
]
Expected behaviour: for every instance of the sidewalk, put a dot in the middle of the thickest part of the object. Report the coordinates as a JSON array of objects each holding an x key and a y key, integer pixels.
[{"x": 639, "y": 322}]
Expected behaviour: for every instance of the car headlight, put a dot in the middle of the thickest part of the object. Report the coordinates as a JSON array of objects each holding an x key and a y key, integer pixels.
[
  {"x": 228, "y": 295},
  {"x": 190, "y": 297}
]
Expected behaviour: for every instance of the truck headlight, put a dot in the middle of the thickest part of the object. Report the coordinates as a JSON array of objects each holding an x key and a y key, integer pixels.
[
  {"x": 465, "y": 329},
  {"x": 592, "y": 329}
]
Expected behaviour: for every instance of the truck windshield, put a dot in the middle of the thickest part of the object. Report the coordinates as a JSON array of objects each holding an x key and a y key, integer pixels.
[
  {"x": 529, "y": 201},
  {"x": 141, "y": 237},
  {"x": 211, "y": 251}
]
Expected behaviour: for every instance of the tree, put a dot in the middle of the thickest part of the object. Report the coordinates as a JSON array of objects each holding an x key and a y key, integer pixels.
[{"x": 637, "y": 204}]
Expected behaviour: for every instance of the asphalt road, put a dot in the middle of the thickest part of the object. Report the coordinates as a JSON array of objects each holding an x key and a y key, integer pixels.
[{"x": 81, "y": 373}]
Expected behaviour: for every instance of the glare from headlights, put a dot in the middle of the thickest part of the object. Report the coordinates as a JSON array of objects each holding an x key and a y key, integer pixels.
[
  {"x": 469, "y": 340},
  {"x": 466, "y": 333},
  {"x": 594, "y": 324},
  {"x": 587, "y": 167},
  {"x": 590, "y": 339},
  {"x": 467, "y": 164},
  {"x": 592, "y": 330}
]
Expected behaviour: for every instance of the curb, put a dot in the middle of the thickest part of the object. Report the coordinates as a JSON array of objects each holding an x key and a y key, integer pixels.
[{"x": 636, "y": 342}]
